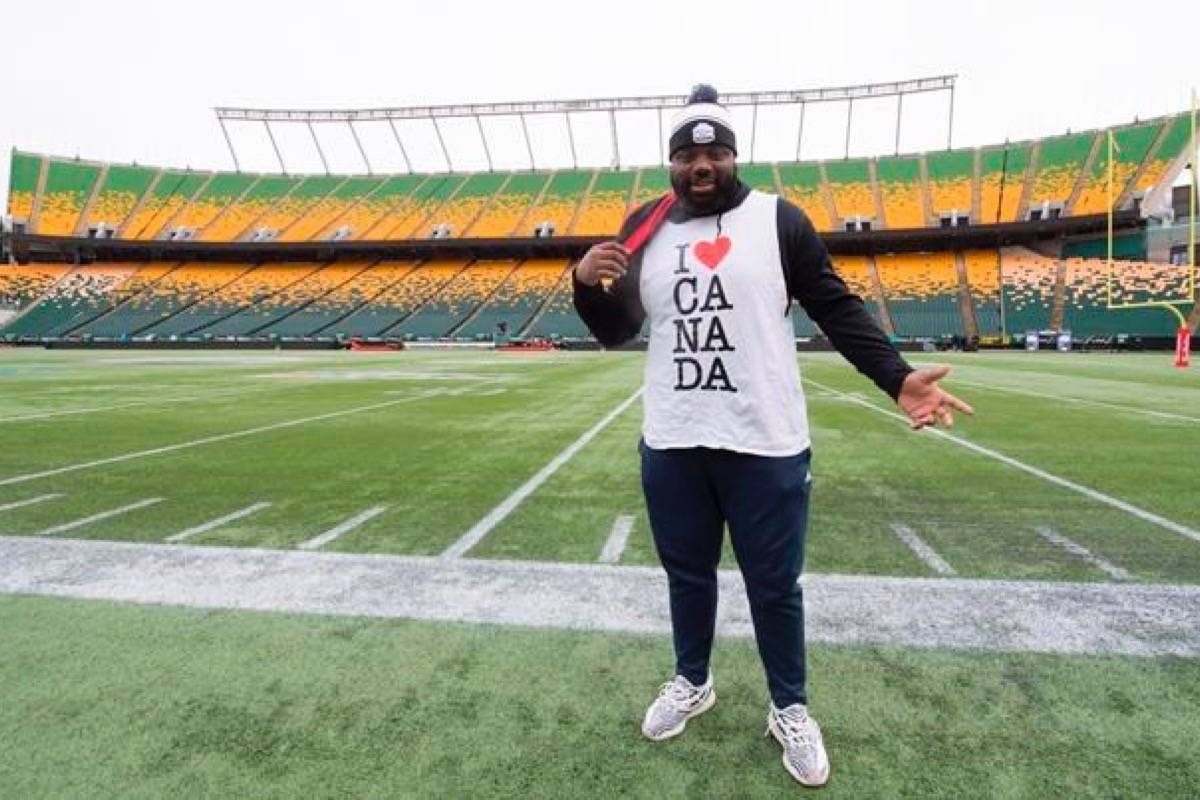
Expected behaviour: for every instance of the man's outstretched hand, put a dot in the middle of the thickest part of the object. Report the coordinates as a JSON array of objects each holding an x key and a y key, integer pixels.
[{"x": 925, "y": 402}]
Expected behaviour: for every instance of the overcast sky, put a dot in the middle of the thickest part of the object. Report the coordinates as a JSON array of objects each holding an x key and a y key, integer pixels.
[{"x": 137, "y": 80}]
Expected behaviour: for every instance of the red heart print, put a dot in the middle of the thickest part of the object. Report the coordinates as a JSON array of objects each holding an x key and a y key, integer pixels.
[{"x": 712, "y": 253}]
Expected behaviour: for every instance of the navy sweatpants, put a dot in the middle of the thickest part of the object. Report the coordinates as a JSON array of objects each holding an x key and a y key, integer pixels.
[{"x": 690, "y": 494}]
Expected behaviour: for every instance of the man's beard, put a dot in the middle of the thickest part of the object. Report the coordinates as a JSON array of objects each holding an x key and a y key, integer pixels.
[{"x": 726, "y": 188}]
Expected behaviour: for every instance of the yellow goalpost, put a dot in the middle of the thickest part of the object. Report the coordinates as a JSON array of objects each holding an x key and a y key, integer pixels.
[{"x": 1183, "y": 335}]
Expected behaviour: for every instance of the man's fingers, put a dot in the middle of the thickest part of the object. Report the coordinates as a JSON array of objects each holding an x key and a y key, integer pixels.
[
  {"x": 609, "y": 269},
  {"x": 614, "y": 249},
  {"x": 610, "y": 274},
  {"x": 613, "y": 257},
  {"x": 608, "y": 260},
  {"x": 613, "y": 265},
  {"x": 919, "y": 419},
  {"x": 957, "y": 404}
]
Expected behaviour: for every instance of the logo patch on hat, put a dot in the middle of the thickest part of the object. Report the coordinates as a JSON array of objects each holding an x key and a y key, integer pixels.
[{"x": 703, "y": 133}]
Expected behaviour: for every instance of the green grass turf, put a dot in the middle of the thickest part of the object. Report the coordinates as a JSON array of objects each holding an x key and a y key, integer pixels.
[
  {"x": 441, "y": 463},
  {"x": 106, "y": 700}
]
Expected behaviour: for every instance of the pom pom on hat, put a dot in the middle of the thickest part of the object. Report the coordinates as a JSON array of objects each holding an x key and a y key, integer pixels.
[
  {"x": 703, "y": 93},
  {"x": 702, "y": 121}
]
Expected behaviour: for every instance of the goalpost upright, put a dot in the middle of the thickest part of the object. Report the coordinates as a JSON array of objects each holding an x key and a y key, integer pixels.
[{"x": 1183, "y": 333}]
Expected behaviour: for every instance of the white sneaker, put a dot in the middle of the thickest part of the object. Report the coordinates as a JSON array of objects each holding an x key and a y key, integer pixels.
[
  {"x": 678, "y": 701},
  {"x": 803, "y": 748}
]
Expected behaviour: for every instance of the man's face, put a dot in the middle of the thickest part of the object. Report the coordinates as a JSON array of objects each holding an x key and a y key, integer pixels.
[{"x": 703, "y": 175}]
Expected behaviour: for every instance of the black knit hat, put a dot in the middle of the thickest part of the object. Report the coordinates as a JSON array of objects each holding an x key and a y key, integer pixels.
[{"x": 702, "y": 121}]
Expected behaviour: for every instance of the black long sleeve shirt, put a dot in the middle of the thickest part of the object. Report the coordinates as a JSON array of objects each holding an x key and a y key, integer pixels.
[{"x": 615, "y": 315}]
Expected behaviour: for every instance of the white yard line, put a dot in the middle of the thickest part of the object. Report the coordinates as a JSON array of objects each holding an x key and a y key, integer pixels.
[
  {"x": 1055, "y": 538},
  {"x": 1079, "y": 400},
  {"x": 1129, "y": 508},
  {"x": 922, "y": 549},
  {"x": 328, "y": 536},
  {"x": 29, "y": 501},
  {"x": 615, "y": 545},
  {"x": 132, "y": 404},
  {"x": 79, "y": 523},
  {"x": 506, "y": 507},
  {"x": 221, "y": 437},
  {"x": 216, "y": 523}
]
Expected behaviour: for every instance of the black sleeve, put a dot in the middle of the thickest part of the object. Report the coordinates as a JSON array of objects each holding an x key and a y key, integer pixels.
[
  {"x": 615, "y": 315},
  {"x": 840, "y": 313}
]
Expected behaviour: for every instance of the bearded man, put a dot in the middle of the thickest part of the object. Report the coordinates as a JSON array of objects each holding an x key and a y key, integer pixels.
[{"x": 715, "y": 267}]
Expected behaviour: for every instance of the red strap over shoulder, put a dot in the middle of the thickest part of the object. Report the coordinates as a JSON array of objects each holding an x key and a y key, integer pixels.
[{"x": 642, "y": 233}]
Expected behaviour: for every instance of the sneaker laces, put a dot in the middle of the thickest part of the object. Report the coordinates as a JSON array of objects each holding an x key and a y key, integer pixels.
[
  {"x": 679, "y": 691},
  {"x": 795, "y": 726}
]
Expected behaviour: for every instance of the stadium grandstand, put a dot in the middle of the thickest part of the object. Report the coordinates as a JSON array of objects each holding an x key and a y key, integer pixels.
[{"x": 970, "y": 244}]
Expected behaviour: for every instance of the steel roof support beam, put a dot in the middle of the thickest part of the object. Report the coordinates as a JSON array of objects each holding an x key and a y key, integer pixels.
[
  {"x": 312, "y": 132},
  {"x": 849, "y": 116},
  {"x": 400, "y": 144},
  {"x": 662, "y": 156},
  {"x": 950, "y": 124},
  {"x": 528, "y": 146},
  {"x": 787, "y": 97},
  {"x": 487, "y": 154},
  {"x": 800, "y": 131},
  {"x": 571, "y": 139},
  {"x": 753, "y": 131},
  {"x": 361, "y": 151},
  {"x": 445, "y": 153},
  {"x": 659, "y": 104},
  {"x": 271, "y": 136},
  {"x": 616, "y": 144},
  {"x": 229, "y": 142}
]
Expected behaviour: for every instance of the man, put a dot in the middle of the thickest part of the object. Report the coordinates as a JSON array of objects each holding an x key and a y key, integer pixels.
[{"x": 725, "y": 437}]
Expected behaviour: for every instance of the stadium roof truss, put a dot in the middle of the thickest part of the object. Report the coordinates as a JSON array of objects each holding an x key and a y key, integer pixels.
[{"x": 566, "y": 109}]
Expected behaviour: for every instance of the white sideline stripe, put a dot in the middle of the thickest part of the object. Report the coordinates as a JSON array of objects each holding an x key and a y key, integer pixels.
[
  {"x": 1067, "y": 399},
  {"x": 79, "y": 523},
  {"x": 29, "y": 501},
  {"x": 1104, "y": 617},
  {"x": 1052, "y": 536},
  {"x": 345, "y": 527},
  {"x": 922, "y": 549},
  {"x": 615, "y": 545},
  {"x": 1129, "y": 508},
  {"x": 216, "y": 523},
  {"x": 221, "y": 437},
  {"x": 497, "y": 514}
]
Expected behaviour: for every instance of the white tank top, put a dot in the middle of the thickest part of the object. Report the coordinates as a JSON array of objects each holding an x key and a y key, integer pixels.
[{"x": 721, "y": 368}]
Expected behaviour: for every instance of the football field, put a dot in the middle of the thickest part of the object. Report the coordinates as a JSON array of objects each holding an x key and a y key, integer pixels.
[{"x": 244, "y": 485}]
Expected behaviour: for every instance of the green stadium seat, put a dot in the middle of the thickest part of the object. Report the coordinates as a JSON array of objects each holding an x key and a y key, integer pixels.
[
  {"x": 380, "y": 314},
  {"x": 921, "y": 290},
  {"x": 510, "y": 205},
  {"x": 123, "y": 187},
  {"x": 900, "y": 192},
  {"x": 457, "y": 299},
  {"x": 1028, "y": 289},
  {"x": 951, "y": 182},
  {"x": 606, "y": 205},
  {"x": 516, "y": 299},
  {"x": 1086, "y": 309},
  {"x": 69, "y": 185},
  {"x": 557, "y": 318},
  {"x": 78, "y": 296}
]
